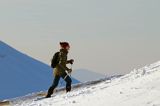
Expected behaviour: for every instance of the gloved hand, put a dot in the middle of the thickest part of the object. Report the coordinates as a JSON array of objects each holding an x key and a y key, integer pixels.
[
  {"x": 69, "y": 71},
  {"x": 71, "y": 61}
]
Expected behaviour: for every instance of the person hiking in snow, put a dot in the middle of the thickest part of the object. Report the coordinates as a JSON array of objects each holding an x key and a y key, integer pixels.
[{"x": 59, "y": 62}]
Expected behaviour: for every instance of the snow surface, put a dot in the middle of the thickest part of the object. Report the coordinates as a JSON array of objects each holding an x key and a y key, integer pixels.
[
  {"x": 139, "y": 88},
  {"x": 20, "y": 74}
]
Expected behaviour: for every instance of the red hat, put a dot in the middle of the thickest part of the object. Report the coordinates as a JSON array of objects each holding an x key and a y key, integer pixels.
[{"x": 64, "y": 44}]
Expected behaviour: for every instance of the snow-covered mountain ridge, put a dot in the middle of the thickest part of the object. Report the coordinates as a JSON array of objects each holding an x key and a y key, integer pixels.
[{"x": 138, "y": 88}]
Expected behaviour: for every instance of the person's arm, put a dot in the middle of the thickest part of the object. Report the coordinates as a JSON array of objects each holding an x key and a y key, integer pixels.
[
  {"x": 64, "y": 67},
  {"x": 70, "y": 61}
]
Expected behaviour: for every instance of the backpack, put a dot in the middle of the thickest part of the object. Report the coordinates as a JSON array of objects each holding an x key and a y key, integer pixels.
[{"x": 55, "y": 60}]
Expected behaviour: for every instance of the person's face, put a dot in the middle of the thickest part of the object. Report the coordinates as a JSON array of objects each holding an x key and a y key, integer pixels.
[{"x": 68, "y": 48}]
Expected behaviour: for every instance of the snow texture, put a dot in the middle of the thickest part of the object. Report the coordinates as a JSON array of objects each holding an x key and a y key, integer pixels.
[{"x": 140, "y": 87}]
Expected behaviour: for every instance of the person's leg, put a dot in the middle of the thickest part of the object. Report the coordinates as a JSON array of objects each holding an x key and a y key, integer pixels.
[
  {"x": 54, "y": 85},
  {"x": 68, "y": 82}
]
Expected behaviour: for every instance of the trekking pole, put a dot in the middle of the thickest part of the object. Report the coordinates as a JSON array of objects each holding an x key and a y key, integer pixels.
[{"x": 68, "y": 74}]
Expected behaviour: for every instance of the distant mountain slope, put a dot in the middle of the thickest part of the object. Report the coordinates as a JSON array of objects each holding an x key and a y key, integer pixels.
[
  {"x": 21, "y": 74},
  {"x": 138, "y": 88},
  {"x": 85, "y": 75}
]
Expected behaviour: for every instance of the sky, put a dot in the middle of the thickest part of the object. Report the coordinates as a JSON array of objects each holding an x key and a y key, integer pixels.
[{"x": 106, "y": 36}]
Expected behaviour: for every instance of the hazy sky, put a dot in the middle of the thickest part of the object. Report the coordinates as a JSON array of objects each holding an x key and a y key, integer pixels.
[{"x": 106, "y": 36}]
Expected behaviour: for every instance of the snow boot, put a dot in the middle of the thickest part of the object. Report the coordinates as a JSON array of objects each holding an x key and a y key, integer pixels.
[
  {"x": 50, "y": 92},
  {"x": 68, "y": 89}
]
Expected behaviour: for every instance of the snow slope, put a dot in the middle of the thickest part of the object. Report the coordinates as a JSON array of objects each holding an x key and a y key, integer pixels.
[
  {"x": 139, "y": 88},
  {"x": 21, "y": 74}
]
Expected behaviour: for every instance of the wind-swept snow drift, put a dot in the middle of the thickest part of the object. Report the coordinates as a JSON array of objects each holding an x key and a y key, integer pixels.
[
  {"x": 21, "y": 74},
  {"x": 139, "y": 88}
]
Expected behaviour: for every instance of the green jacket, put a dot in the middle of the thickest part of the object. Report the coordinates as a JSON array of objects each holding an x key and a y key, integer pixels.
[{"x": 61, "y": 66}]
